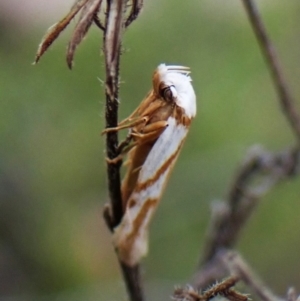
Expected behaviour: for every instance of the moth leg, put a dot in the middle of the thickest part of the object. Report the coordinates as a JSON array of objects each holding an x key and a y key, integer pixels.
[
  {"x": 141, "y": 107},
  {"x": 152, "y": 107},
  {"x": 137, "y": 112},
  {"x": 122, "y": 152},
  {"x": 144, "y": 138},
  {"x": 124, "y": 126},
  {"x": 137, "y": 169},
  {"x": 127, "y": 125},
  {"x": 148, "y": 111},
  {"x": 129, "y": 120},
  {"x": 123, "y": 148},
  {"x": 155, "y": 126},
  {"x": 150, "y": 132},
  {"x": 131, "y": 116},
  {"x": 124, "y": 143}
]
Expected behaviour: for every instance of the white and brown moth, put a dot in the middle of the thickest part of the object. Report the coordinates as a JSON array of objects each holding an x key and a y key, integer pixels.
[{"x": 157, "y": 130}]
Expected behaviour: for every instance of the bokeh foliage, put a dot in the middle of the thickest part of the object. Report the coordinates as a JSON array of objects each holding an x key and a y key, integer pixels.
[{"x": 53, "y": 241}]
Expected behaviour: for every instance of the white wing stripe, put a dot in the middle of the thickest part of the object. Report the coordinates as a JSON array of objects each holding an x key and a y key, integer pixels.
[{"x": 165, "y": 146}]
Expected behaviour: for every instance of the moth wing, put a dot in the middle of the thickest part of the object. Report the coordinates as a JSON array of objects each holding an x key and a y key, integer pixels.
[
  {"x": 131, "y": 236},
  {"x": 164, "y": 151}
]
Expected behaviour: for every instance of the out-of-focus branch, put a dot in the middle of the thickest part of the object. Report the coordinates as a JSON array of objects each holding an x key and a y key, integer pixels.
[
  {"x": 238, "y": 266},
  {"x": 231, "y": 263},
  {"x": 228, "y": 218},
  {"x": 257, "y": 175},
  {"x": 292, "y": 295},
  {"x": 287, "y": 102}
]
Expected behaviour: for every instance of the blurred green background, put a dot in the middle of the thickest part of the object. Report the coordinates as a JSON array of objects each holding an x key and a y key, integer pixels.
[{"x": 53, "y": 242}]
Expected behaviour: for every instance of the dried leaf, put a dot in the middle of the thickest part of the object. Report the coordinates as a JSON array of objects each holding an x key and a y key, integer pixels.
[
  {"x": 98, "y": 22},
  {"x": 135, "y": 10},
  {"x": 55, "y": 30},
  {"x": 82, "y": 27}
]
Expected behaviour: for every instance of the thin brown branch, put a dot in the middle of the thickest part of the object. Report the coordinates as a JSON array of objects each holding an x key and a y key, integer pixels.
[
  {"x": 287, "y": 102},
  {"x": 133, "y": 282},
  {"x": 114, "y": 27},
  {"x": 257, "y": 175},
  {"x": 112, "y": 45}
]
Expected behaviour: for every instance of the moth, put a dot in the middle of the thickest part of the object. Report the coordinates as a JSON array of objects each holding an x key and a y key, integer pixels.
[{"x": 157, "y": 131}]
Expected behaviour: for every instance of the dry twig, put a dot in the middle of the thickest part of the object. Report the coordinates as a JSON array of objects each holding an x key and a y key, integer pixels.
[
  {"x": 223, "y": 289},
  {"x": 115, "y": 23},
  {"x": 114, "y": 27}
]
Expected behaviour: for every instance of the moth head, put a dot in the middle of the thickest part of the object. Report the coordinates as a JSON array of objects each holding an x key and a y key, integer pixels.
[
  {"x": 173, "y": 84},
  {"x": 167, "y": 92}
]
